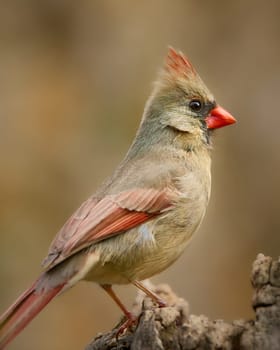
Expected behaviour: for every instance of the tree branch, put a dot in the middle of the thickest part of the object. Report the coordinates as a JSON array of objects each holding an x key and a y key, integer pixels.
[{"x": 173, "y": 328}]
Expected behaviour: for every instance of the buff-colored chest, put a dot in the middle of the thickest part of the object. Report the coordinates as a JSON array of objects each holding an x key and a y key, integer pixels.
[{"x": 150, "y": 248}]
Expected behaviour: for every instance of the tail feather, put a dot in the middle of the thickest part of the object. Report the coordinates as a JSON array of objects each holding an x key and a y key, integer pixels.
[{"x": 25, "y": 308}]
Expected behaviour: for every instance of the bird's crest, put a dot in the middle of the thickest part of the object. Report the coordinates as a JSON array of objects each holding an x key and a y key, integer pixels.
[{"x": 178, "y": 65}]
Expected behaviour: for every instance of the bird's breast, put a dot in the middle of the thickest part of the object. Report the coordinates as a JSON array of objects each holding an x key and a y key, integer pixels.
[{"x": 151, "y": 247}]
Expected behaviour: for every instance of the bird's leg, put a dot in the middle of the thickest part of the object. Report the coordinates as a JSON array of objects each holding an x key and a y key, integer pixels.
[
  {"x": 131, "y": 319},
  {"x": 151, "y": 294},
  {"x": 108, "y": 288}
]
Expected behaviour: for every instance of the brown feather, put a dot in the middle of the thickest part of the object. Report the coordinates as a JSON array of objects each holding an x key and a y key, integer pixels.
[{"x": 98, "y": 220}]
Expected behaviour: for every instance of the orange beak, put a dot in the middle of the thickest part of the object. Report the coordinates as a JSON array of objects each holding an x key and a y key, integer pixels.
[{"x": 218, "y": 118}]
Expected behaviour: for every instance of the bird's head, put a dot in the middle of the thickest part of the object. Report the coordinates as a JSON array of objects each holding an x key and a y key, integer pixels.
[{"x": 182, "y": 101}]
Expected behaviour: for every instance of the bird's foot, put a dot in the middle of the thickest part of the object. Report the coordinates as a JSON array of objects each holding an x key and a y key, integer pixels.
[
  {"x": 161, "y": 303},
  {"x": 129, "y": 322}
]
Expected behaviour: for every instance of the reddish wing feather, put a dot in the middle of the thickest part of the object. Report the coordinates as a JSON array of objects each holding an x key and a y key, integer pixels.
[
  {"x": 123, "y": 220},
  {"x": 97, "y": 220},
  {"x": 68, "y": 230}
]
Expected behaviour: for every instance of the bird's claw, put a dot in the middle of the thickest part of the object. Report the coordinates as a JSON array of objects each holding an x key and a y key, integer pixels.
[
  {"x": 129, "y": 322},
  {"x": 161, "y": 303}
]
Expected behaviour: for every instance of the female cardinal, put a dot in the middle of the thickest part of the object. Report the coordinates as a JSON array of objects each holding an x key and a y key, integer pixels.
[{"x": 141, "y": 219}]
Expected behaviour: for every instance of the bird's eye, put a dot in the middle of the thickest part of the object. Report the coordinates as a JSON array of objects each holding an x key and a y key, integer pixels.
[{"x": 195, "y": 105}]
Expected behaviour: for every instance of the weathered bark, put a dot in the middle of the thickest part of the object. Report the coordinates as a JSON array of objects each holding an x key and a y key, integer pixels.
[{"x": 174, "y": 328}]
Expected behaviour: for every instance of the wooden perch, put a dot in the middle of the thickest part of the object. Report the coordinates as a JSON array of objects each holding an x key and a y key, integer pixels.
[{"x": 174, "y": 328}]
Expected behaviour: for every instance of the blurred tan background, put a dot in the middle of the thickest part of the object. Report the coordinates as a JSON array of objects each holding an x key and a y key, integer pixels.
[{"x": 74, "y": 80}]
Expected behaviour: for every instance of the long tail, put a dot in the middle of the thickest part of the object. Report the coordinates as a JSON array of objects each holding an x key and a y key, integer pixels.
[{"x": 24, "y": 309}]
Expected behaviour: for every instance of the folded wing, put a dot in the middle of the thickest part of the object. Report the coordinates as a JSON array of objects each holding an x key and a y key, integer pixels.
[{"x": 100, "y": 219}]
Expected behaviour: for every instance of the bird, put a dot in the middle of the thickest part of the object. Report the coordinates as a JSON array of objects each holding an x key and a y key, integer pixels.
[{"x": 141, "y": 219}]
